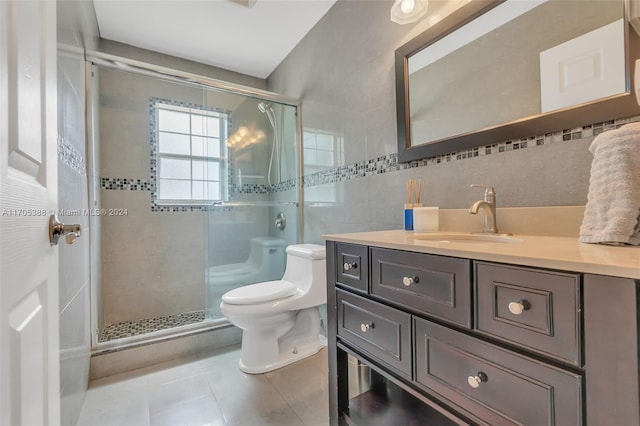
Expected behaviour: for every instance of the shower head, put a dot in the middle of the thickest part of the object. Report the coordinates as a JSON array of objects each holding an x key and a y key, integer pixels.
[
  {"x": 264, "y": 107},
  {"x": 267, "y": 109}
]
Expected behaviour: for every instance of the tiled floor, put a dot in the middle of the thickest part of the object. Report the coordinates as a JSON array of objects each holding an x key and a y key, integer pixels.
[
  {"x": 211, "y": 390},
  {"x": 148, "y": 325}
]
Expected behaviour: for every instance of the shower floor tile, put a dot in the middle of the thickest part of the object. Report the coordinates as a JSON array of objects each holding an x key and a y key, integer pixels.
[
  {"x": 209, "y": 389},
  {"x": 148, "y": 325}
]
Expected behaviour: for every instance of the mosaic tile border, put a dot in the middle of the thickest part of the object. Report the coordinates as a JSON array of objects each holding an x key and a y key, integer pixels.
[
  {"x": 148, "y": 325},
  {"x": 129, "y": 184},
  {"x": 125, "y": 184},
  {"x": 389, "y": 163},
  {"x": 70, "y": 156},
  {"x": 382, "y": 164}
]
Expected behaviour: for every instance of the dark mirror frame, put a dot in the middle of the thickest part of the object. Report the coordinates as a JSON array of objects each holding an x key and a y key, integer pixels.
[{"x": 610, "y": 108}]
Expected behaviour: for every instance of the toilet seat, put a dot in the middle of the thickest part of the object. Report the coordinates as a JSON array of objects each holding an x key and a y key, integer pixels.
[{"x": 260, "y": 293}]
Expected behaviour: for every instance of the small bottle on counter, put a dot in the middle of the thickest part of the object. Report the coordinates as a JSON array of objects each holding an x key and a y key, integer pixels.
[{"x": 408, "y": 217}]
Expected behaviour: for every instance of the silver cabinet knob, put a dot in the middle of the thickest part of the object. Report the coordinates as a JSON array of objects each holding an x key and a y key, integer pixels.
[
  {"x": 475, "y": 381},
  {"x": 407, "y": 281},
  {"x": 57, "y": 228},
  {"x": 347, "y": 266},
  {"x": 517, "y": 308},
  {"x": 365, "y": 327}
]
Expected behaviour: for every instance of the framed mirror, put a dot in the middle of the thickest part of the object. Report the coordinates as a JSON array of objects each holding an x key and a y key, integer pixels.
[{"x": 494, "y": 71}]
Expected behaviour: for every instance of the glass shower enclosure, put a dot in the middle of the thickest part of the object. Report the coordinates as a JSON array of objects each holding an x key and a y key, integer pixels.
[{"x": 197, "y": 187}]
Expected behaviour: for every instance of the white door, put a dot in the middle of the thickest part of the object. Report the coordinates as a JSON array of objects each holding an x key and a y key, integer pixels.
[{"x": 29, "y": 370}]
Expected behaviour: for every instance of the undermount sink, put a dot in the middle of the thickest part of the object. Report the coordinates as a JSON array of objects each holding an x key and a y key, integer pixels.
[{"x": 467, "y": 238}]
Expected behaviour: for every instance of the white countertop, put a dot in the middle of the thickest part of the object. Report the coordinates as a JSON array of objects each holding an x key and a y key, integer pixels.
[{"x": 562, "y": 253}]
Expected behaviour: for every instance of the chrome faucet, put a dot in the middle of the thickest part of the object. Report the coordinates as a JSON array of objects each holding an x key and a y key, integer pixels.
[{"x": 488, "y": 203}]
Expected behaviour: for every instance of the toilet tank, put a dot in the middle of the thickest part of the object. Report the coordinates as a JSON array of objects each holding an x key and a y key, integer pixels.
[
  {"x": 306, "y": 268},
  {"x": 267, "y": 256}
]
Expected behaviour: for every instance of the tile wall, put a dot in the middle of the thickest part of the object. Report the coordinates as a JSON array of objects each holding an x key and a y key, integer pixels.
[
  {"x": 76, "y": 30},
  {"x": 343, "y": 70}
]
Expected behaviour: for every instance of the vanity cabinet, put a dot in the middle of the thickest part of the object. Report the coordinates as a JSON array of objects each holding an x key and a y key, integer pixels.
[{"x": 465, "y": 341}]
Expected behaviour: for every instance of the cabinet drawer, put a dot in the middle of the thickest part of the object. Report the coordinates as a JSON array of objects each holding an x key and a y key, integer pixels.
[
  {"x": 352, "y": 266},
  {"x": 498, "y": 386},
  {"x": 538, "y": 310},
  {"x": 433, "y": 285},
  {"x": 381, "y": 331}
]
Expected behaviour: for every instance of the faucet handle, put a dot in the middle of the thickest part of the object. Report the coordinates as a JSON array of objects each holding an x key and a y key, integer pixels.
[{"x": 489, "y": 192}]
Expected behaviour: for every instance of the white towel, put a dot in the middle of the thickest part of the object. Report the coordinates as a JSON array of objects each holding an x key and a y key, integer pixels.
[{"x": 612, "y": 213}]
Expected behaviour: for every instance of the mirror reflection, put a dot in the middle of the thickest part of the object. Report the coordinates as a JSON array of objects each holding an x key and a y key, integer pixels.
[{"x": 519, "y": 60}]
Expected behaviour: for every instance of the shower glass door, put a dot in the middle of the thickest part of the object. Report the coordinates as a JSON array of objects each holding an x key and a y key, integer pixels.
[
  {"x": 249, "y": 231},
  {"x": 187, "y": 183}
]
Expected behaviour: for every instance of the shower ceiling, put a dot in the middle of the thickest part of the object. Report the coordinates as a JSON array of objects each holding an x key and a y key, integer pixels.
[{"x": 244, "y": 36}]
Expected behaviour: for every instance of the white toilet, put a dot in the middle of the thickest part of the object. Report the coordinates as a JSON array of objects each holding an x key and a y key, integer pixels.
[{"x": 280, "y": 320}]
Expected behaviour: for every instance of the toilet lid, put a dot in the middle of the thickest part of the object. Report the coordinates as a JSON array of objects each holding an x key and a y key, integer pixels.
[{"x": 259, "y": 293}]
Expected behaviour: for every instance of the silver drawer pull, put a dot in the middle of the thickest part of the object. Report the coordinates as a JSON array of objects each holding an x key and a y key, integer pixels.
[
  {"x": 366, "y": 327},
  {"x": 475, "y": 381},
  {"x": 347, "y": 266},
  {"x": 517, "y": 308},
  {"x": 407, "y": 281}
]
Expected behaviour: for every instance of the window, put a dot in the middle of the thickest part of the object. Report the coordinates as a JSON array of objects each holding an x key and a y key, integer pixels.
[
  {"x": 191, "y": 154},
  {"x": 322, "y": 150}
]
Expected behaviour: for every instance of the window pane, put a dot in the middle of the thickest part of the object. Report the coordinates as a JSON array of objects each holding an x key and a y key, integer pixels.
[
  {"x": 205, "y": 190},
  {"x": 198, "y": 170},
  {"x": 324, "y": 158},
  {"x": 175, "y": 168},
  {"x": 310, "y": 156},
  {"x": 213, "y": 170},
  {"x": 205, "y": 125},
  {"x": 171, "y": 143},
  {"x": 325, "y": 142},
  {"x": 173, "y": 121},
  {"x": 206, "y": 170},
  {"x": 309, "y": 140},
  {"x": 205, "y": 147},
  {"x": 213, "y": 147},
  {"x": 213, "y": 191},
  {"x": 197, "y": 188},
  {"x": 174, "y": 189}
]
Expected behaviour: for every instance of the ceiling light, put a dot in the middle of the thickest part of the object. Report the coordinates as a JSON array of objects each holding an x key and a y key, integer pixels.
[
  {"x": 408, "y": 11},
  {"x": 406, "y": 6}
]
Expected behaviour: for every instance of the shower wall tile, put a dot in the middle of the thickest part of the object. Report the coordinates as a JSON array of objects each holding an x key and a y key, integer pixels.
[
  {"x": 123, "y": 131},
  {"x": 71, "y": 102},
  {"x": 76, "y": 29},
  {"x": 74, "y": 355},
  {"x": 74, "y": 258}
]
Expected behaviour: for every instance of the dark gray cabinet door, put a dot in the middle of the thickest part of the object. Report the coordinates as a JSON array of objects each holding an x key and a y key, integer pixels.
[
  {"x": 352, "y": 266},
  {"x": 381, "y": 331},
  {"x": 428, "y": 284},
  {"x": 535, "y": 309},
  {"x": 496, "y": 385}
]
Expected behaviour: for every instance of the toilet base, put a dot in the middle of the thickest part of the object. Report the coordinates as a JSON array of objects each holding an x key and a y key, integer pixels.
[
  {"x": 280, "y": 340},
  {"x": 287, "y": 358}
]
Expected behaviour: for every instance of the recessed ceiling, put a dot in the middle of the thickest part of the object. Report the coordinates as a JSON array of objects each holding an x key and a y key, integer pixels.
[{"x": 223, "y": 33}]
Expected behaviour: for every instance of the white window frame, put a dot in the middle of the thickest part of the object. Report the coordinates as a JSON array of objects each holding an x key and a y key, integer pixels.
[
  {"x": 221, "y": 159},
  {"x": 336, "y": 151}
]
